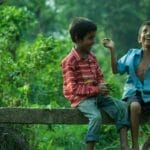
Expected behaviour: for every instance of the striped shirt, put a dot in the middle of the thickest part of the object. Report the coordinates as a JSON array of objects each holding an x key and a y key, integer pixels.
[{"x": 81, "y": 77}]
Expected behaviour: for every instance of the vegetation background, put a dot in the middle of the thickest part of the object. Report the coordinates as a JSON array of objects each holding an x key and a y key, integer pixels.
[{"x": 33, "y": 40}]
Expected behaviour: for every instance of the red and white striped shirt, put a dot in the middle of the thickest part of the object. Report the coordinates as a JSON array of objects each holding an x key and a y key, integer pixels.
[{"x": 81, "y": 77}]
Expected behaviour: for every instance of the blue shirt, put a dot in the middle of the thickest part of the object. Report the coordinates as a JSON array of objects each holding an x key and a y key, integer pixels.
[{"x": 128, "y": 64}]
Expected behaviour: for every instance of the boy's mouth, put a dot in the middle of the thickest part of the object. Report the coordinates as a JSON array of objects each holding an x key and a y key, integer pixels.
[{"x": 147, "y": 37}]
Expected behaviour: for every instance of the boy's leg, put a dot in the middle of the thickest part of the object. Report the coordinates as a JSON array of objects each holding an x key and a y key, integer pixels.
[
  {"x": 89, "y": 108},
  {"x": 135, "y": 111},
  {"x": 123, "y": 138},
  {"x": 118, "y": 111},
  {"x": 90, "y": 145}
]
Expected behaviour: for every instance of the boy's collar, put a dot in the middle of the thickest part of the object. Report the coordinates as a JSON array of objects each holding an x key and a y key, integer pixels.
[
  {"x": 138, "y": 51},
  {"x": 77, "y": 54}
]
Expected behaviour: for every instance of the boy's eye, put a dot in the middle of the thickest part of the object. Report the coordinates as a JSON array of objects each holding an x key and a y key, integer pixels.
[
  {"x": 145, "y": 30},
  {"x": 91, "y": 38}
]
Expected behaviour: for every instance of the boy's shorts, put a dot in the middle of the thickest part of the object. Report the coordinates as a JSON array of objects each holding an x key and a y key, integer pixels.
[{"x": 138, "y": 98}]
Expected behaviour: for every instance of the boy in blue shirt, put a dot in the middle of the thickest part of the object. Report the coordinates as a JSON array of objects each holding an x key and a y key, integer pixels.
[{"x": 136, "y": 63}]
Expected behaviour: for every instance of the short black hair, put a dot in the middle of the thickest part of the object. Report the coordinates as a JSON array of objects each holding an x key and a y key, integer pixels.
[
  {"x": 79, "y": 28},
  {"x": 143, "y": 24}
]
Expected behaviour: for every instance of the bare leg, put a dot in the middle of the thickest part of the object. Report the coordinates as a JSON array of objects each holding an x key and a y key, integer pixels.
[
  {"x": 146, "y": 144},
  {"x": 90, "y": 145},
  {"x": 135, "y": 111},
  {"x": 123, "y": 139}
]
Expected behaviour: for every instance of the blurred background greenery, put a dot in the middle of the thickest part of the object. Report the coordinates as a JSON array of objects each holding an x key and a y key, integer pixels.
[{"x": 33, "y": 40}]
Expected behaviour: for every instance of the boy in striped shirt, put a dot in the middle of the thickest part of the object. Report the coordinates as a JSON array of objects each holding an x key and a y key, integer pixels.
[{"x": 85, "y": 87}]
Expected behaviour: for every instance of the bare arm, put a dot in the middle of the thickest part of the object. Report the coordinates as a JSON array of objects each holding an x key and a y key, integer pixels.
[{"x": 108, "y": 43}]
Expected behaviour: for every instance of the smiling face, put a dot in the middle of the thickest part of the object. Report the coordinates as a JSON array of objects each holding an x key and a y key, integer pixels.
[
  {"x": 85, "y": 44},
  {"x": 144, "y": 37}
]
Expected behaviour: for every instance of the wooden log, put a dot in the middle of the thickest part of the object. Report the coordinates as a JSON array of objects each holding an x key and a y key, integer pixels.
[
  {"x": 52, "y": 116},
  {"x": 45, "y": 116}
]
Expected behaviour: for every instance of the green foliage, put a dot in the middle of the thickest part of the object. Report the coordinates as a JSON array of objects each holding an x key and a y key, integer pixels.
[
  {"x": 44, "y": 12},
  {"x": 12, "y": 138},
  {"x": 40, "y": 65},
  {"x": 32, "y": 75},
  {"x": 14, "y": 21}
]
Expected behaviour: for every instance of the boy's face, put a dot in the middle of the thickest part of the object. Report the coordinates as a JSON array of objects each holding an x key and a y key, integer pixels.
[
  {"x": 144, "y": 37},
  {"x": 86, "y": 43}
]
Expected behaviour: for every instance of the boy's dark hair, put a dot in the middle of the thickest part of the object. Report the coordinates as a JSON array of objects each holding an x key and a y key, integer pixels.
[
  {"x": 80, "y": 27},
  {"x": 143, "y": 24}
]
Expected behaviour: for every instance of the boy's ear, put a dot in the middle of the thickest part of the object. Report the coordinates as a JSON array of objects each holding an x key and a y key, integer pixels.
[{"x": 77, "y": 39}]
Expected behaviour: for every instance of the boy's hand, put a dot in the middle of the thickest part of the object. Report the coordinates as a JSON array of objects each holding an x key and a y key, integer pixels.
[
  {"x": 108, "y": 43},
  {"x": 104, "y": 90}
]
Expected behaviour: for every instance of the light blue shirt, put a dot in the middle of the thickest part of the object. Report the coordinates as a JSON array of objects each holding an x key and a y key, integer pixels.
[{"x": 128, "y": 64}]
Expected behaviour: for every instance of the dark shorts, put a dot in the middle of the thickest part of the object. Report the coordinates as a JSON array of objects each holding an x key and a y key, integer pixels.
[{"x": 138, "y": 98}]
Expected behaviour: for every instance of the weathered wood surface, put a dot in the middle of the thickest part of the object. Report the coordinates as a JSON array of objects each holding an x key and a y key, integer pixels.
[{"x": 52, "y": 116}]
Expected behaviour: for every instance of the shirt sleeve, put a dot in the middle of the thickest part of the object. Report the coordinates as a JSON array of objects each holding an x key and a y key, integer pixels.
[
  {"x": 122, "y": 66},
  {"x": 72, "y": 86}
]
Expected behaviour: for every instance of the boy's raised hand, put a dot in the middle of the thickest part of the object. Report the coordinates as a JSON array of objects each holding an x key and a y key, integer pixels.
[{"x": 108, "y": 43}]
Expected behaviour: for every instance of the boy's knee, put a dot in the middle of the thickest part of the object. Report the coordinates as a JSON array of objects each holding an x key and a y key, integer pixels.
[
  {"x": 135, "y": 107},
  {"x": 97, "y": 117},
  {"x": 121, "y": 108}
]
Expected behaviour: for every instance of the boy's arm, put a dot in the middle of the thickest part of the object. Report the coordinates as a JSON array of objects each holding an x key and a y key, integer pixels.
[{"x": 108, "y": 43}]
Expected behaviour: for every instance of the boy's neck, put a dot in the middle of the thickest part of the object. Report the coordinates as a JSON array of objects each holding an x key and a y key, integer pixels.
[
  {"x": 146, "y": 54},
  {"x": 146, "y": 50},
  {"x": 83, "y": 53}
]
